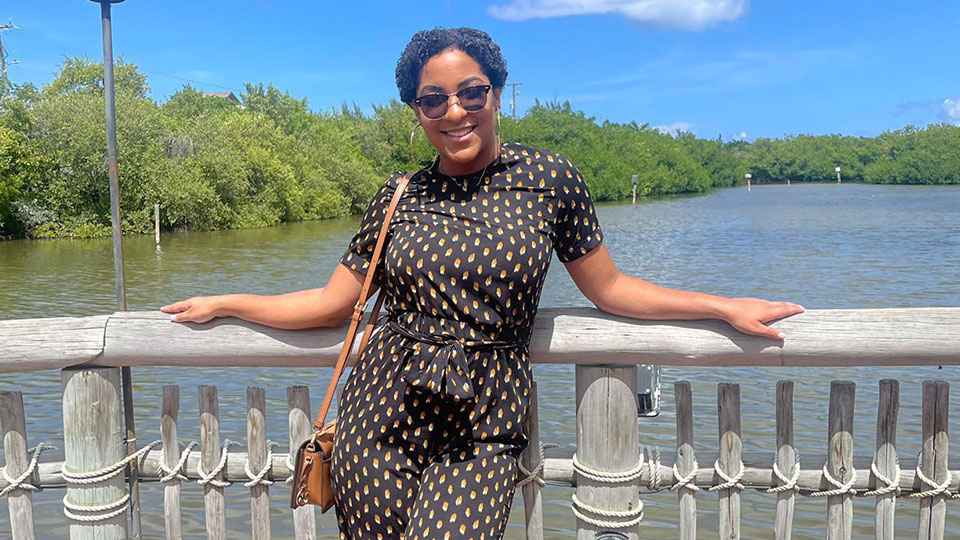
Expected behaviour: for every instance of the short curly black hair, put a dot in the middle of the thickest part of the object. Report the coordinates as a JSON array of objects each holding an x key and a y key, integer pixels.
[{"x": 426, "y": 44}]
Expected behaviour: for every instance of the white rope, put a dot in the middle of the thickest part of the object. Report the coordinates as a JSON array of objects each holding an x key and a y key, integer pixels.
[
  {"x": 20, "y": 481},
  {"x": 291, "y": 466},
  {"x": 117, "y": 508},
  {"x": 654, "y": 466},
  {"x": 841, "y": 488},
  {"x": 211, "y": 478},
  {"x": 729, "y": 482},
  {"x": 179, "y": 471},
  {"x": 106, "y": 473},
  {"x": 536, "y": 475},
  {"x": 259, "y": 478},
  {"x": 636, "y": 514},
  {"x": 889, "y": 485},
  {"x": 787, "y": 484},
  {"x": 685, "y": 482},
  {"x": 608, "y": 477},
  {"x": 942, "y": 488}
]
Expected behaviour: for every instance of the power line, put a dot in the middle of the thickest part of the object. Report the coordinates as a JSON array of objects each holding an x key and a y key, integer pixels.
[{"x": 200, "y": 83}]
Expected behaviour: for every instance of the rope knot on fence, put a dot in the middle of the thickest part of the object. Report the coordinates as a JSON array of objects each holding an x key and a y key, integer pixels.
[
  {"x": 787, "y": 484},
  {"x": 935, "y": 488},
  {"x": 685, "y": 482},
  {"x": 212, "y": 477},
  {"x": 841, "y": 488},
  {"x": 607, "y": 477},
  {"x": 178, "y": 471},
  {"x": 633, "y": 516},
  {"x": 20, "y": 481},
  {"x": 100, "y": 512},
  {"x": 536, "y": 475},
  {"x": 729, "y": 482},
  {"x": 260, "y": 479},
  {"x": 890, "y": 485}
]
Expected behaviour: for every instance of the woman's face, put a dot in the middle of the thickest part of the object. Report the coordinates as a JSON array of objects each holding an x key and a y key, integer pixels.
[{"x": 465, "y": 140}]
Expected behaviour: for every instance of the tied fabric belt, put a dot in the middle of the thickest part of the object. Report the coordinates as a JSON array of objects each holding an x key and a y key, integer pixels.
[{"x": 438, "y": 363}]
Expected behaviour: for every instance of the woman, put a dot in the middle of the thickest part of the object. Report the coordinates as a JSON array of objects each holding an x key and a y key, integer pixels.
[{"x": 429, "y": 428}]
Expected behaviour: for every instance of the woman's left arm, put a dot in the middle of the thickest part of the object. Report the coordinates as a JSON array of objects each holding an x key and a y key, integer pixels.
[{"x": 614, "y": 292}]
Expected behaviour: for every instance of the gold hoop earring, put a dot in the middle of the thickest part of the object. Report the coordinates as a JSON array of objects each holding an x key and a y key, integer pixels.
[
  {"x": 499, "y": 127},
  {"x": 413, "y": 134}
]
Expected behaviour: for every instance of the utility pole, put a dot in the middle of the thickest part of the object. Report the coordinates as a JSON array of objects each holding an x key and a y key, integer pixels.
[
  {"x": 513, "y": 100},
  {"x": 4, "y": 81}
]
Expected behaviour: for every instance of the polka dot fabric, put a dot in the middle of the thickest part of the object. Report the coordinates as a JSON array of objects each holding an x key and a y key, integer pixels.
[{"x": 429, "y": 428}]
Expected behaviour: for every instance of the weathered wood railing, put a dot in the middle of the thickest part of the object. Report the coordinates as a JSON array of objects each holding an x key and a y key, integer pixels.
[{"x": 606, "y": 471}]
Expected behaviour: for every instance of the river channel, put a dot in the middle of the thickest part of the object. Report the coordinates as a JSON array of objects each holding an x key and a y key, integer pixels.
[{"x": 823, "y": 246}]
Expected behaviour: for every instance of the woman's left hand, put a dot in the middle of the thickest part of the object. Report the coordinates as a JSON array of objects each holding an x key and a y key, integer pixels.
[{"x": 749, "y": 315}]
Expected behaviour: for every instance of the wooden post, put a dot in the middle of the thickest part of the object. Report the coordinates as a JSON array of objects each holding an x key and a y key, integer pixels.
[
  {"x": 93, "y": 433},
  {"x": 300, "y": 422},
  {"x": 840, "y": 458},
  {"x": 786, "y": 459},
  {"x": 171, "y": 455},
  {"x": 731, "y": 447},
  {"x": 532, "y": 501},
  {"x": 887, "y": 411},
  {"x": 686, "y": 459},
  {"x": 19, "y": 501},
  {"x": 607, "y": 441},
  {"x": 936, "y": 399},
  {"x": 257, "y": 457},
  {"x": 156, "y": 223},
  {"x": 213, "y": 501}
]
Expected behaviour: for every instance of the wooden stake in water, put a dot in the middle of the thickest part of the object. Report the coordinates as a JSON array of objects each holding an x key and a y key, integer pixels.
[
  {"x": 933, "y": 510},
  {"x": 171, "y": 455},
  {"x": 786, "y": 459},
  {"x": 156, "y": 223},
  {"x": 686, "y": 460},
  {"x": 731, "y": 447},
  {"x": 887, "y": 412},
  {"x": 257, "y": 457},
  {"x": 840, "y": 458}
]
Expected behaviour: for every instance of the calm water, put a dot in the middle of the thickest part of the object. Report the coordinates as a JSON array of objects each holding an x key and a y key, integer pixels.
[{"x": 824, "y": 246}]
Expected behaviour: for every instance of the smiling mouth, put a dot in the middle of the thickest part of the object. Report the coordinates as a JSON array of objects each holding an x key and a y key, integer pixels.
[{"x": 459, "y": 132}]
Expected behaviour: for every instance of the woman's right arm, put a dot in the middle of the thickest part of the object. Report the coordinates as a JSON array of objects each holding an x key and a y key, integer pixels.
[{"x": 326, "y": 306}]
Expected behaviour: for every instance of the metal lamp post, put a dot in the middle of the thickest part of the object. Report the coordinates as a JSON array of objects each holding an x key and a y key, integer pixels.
[
  {"x": 747, "y": 177},
  {"x": 838, "y": 174},
  {"x": 111, "y": 113}
]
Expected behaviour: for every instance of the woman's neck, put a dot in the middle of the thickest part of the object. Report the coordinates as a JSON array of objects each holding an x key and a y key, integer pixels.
[{"x": 482, "y": 161}]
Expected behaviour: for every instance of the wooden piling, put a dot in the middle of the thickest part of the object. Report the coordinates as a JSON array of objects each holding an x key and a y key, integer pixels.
[
  {"x": 686, "y": 460},
  {"x": 257, "y": 458},
  {"x": 888, "y": 409},
  {"x": 731, "y": 447},
  {"x": 607, "y": 441},
  {"x": 299, "y": 424},
  {"x": 171, "y": 455},
  {"x": 213, "y": 502},
  {"x": 786, "y": 460},
  {"x": 530, "y": 458},
  {"x": 936, "y": 398},
  {"x": 19, "y": 501},
  {"x": 156, "y": 223},
  {"x": 840, "y": 458},
  {"x": 93, "y": 433}
]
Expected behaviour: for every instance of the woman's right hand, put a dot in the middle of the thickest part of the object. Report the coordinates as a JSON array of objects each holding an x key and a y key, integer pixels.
[{"x": 199, "y": 309}]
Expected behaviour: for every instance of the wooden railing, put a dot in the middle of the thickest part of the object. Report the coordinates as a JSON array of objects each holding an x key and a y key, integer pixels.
[{"x": 608, "y": 470}]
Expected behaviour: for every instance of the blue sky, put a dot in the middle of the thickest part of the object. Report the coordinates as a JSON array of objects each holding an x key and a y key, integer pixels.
[{"x": 717, "y": 67}]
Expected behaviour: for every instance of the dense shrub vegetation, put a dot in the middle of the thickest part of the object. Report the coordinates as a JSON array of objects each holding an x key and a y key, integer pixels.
[{"x": 213, "y": 164}]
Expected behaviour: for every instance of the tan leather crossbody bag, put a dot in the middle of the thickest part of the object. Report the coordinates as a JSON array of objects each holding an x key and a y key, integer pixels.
[{"x": 312, "y": 466}]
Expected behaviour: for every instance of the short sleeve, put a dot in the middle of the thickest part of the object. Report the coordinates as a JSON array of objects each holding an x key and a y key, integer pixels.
[
  {"x": 577, "y": 230},
  {"x": 360, "y": 251}
]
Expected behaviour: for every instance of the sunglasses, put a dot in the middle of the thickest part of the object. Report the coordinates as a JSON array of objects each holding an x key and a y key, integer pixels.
[{"x": 471, "y": 98}]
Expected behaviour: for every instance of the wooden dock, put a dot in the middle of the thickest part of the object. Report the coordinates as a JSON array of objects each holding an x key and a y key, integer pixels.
[{"x": 609, "y": 471}]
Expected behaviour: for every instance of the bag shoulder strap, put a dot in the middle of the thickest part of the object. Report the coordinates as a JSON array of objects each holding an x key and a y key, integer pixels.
[{"x": 362, "y": 304}]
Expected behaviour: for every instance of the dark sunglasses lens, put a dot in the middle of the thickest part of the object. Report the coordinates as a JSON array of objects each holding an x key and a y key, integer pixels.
[
  {"x": 474, "y": 98},
  {"x": 433, "y": 105}
]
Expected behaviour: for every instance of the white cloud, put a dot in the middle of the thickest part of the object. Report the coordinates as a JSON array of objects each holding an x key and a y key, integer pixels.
[
  {"x": 675, "y": 128},
  {"x": 682, "y": 14},
  {"x": 951, "y": 111},
  {"x": 742, "y": 136}
]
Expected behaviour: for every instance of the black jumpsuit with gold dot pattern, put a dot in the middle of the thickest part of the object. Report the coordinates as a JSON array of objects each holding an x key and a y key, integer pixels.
[{"x": 429, "y": 428}]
